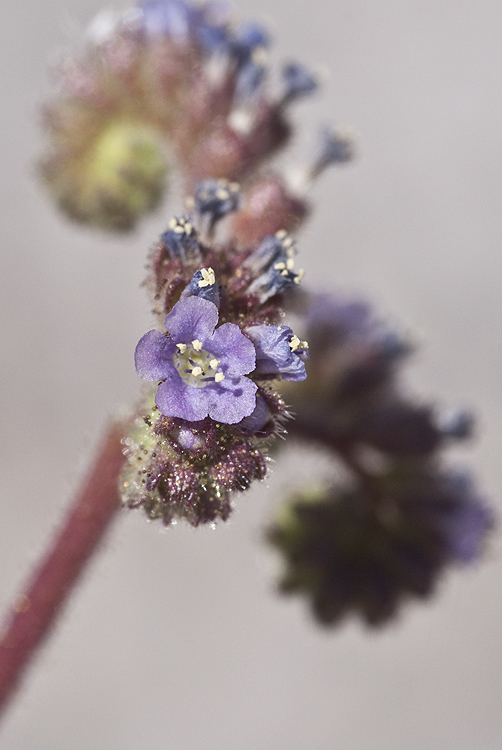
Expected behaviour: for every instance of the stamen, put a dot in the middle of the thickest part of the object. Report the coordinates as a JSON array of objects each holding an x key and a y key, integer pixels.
[
  {"x": 197, "y": 345},
  {"x": 297, "y": 343},
  {"x": 294, "y": 344},
  {"x": 208, "y": 277},
  {"x": 281, "y": 234},
  {"x": 213, "y": 364},
  {"x": 219, "y": 377},
  {"x": 197, "y": 371},
  {"x": 299, "y": 277},
  {"x": 182, "y": 348}
]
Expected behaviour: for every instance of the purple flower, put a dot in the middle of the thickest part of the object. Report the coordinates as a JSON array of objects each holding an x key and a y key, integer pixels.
[
  {"x": 201, "y": 368},
  {"x": 279, "y": 353}
]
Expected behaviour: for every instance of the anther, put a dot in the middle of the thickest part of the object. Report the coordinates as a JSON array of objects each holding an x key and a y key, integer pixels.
[
  {"x": 197, "y": 345},
  {"x": 208, "y": 277}
]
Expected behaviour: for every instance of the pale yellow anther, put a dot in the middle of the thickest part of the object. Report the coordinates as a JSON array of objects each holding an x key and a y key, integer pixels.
[
  {"x": 290, "y": 264},
  {"x": 172, "y": 224},
  {"x": 208, "y": 277},
  {"x": 197, "y": 371},
  {"x": 179, "y": 229},
  {"x": 213, "y": 363},
  {"x": 181, "y": 347},
  {"x": 281, "y": 234},
  {"x": 280, "y": 266},
  {"x": 222, "y": 194},
  {"x": 285, "y": 273},
  {"x": 188, "y": 228},
  {"x": 294, "y": 344},
  {"x": 287, "y": 242},
  {"x": 299, "y": 277},
  {"x": 197, "y": 345},
  {"x": 219, "y": 377},
  {"x": 259, "y": 56}
]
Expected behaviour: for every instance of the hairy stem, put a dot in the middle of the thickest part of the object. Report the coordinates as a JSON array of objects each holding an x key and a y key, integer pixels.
[{"x": 34, "y": 611}]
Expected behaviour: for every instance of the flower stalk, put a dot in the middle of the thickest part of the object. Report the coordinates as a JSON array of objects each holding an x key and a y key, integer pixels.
[{"x": 35, "y": 609}]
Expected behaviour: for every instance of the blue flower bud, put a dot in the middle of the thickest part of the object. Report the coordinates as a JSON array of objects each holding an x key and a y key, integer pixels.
[
  {"x": 250, "y": 36},
  {"x": 297, "y": 81},
  {"x": 258, "y": 418},
  {"x": 333, "y": 148},
  {"x": 181, "y": 241},
  {"x": 214, "y": 199},
  {"x": 249, "y": 80},
  {"x": 203, "y": 284},
  {"x": 273, "y": 262}
]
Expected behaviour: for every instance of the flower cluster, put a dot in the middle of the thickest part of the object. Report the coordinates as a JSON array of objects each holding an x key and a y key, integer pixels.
[
  {"x": 164, "y": 84},
  {"x": 215, "y": 362},
  {"x": 167, "y": 87},
  {"x": 367, "y": 545}
]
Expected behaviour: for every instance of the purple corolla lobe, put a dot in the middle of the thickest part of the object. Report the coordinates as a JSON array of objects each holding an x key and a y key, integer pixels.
[{"x": 202, "y": 367}]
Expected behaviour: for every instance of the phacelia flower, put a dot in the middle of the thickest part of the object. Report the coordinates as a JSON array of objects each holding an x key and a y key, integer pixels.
[
  {"x": 279, "y": 352},
  {"x": 202, "y": 369}
]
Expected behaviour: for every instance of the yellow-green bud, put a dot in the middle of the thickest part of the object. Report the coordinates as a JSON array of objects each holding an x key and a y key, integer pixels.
[{"x": 120, "y": 177}]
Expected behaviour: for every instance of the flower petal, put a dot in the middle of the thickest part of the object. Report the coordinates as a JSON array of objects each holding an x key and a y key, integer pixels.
[
  {"x": 192, "y": 318},
  {"x": 153, "y": 356},
  {"x": 236, "y": 352},
  {"x": 177, "y": 399},
  {"x": 232, "y": 399}
]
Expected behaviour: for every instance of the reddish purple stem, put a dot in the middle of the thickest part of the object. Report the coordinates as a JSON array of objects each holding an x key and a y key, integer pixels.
[{"x": 35, "y": 609}]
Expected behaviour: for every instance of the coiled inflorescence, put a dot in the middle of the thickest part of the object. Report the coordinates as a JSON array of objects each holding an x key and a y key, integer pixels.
[
  {"x": 204, "y": 432},
  {"x": 171, "y": 86},
  {"x": 366, "y": 545},
  {"x": 163, "y": 85}
]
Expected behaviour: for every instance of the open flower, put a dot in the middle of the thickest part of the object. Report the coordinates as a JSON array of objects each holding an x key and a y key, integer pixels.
[{"x": 202, "y": 369}]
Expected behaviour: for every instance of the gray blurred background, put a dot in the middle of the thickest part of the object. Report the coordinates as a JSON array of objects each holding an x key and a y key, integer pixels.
[{"x": 175, "y": 638}]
